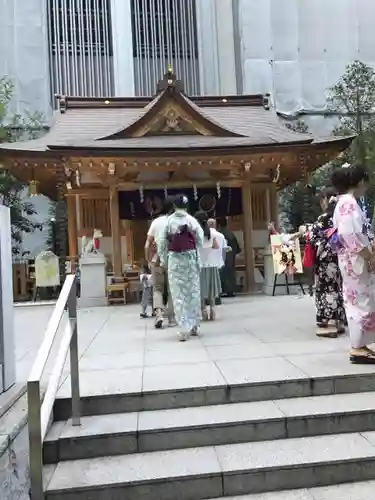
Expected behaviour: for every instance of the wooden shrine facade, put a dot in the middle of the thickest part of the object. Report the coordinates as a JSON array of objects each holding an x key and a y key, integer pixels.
[{"x": 106, "y": 157}]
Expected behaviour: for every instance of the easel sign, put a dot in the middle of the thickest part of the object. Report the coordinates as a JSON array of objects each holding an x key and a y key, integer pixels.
[
  {"x": 287, "y": 260},
  {"x": 286, "y": 255}
]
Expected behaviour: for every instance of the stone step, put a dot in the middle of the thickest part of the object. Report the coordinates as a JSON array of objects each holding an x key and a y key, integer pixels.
[
  {"x": 212, "y": 472},
  {"x": 347, "y": 491},
  {"x": 182, "y": 397},
  {"x": 147, "y": 431}
]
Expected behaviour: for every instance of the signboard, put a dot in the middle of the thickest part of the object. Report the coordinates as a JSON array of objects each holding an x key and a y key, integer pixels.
[
  {"x": 47, "y": 272},
  {"x": 286, "y": 254}
]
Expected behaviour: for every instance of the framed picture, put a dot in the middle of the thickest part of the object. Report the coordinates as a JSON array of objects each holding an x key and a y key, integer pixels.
[{"x": 286, "y": 255}]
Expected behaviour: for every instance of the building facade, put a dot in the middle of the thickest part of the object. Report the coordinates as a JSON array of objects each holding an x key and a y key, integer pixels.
[{"x": 293, "y": 49}]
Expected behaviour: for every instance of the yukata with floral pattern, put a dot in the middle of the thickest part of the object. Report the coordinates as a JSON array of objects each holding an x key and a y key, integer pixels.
[
  {"x": 328, "y": 290},
  {"x": 358, "y": 281},
  {"x": 183, "y": 271}
]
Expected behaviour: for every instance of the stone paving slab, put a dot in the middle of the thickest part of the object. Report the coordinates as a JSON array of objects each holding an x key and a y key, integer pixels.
[
  {"x": 357, "y": 491},
  {"x": 254, "y": 339},
  {"x": 125, "y": 433},
  {"x": 286, "y": 452},
  {"x": 236, "y": 469},
  {"x": 135, "y": 468}
]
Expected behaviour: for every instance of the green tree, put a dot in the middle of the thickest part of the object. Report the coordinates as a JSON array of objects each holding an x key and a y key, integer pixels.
[
  {"x": 14, "y": 127},
  {"x": 298, "y": 202},
  {"x": 353, "y": 99}
]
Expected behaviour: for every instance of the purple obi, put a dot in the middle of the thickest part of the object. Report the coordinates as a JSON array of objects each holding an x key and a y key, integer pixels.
[{"x": 182, "y": 241}]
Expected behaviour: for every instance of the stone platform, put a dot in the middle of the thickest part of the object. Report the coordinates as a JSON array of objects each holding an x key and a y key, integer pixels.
[
  {"x": 257, "y": 404},
  {"x": 276, "y": 333}
]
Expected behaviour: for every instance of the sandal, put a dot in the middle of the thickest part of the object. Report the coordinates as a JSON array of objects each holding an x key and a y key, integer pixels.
[
  {"x": 326, "y": 332},
  {"x": 341, "y": 329},
  {"x": 368, "y": 358}
]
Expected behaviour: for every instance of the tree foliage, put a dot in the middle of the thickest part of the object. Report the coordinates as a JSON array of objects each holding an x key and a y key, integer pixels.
[
  {"x": 352, "y": 101},
  {"x": 14, "y": 127},
  {"x": 298, "y": 202}
]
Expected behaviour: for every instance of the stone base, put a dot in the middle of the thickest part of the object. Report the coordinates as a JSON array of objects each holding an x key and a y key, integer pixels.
[
  {"x": 91, "y": 302},
  {"x": 93, "y": 281}
]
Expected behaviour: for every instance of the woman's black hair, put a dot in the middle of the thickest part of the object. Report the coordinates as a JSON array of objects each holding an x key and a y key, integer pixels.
[
  {"x": 327, "y": 193},
  {"x": 167, "y": 205},
  {"x": 346, "y": 178},
  {"x": 222, "y": 222},
  {"x": 202, "y": 218},
  {"x": 146, "y": 269},
  {"x": 181, "y": 201}
]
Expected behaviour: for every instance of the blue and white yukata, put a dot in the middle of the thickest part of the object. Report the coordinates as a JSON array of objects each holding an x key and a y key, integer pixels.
[{"x": 183, "y": 271}]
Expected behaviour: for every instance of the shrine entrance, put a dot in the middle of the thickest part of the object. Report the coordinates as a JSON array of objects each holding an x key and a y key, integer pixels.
[{"x": 105, "y": 160}]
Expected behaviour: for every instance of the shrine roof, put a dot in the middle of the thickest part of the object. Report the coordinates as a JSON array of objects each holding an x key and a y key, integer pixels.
[{"x": 169, "y": 121}]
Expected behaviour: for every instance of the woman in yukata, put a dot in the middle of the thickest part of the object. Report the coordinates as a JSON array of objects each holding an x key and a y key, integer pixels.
[
  {"x": 178, "y": 249},
  {"x": 210, "y": 276},
  {"x": 330, "y": 313},
  {"x": 356, "y": 260}
]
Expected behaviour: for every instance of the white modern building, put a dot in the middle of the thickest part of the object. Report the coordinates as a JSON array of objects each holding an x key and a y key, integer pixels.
[{"x": 293, "y": 49}]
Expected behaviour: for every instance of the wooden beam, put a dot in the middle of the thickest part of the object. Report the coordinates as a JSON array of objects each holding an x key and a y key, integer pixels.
[
  {"x": 115, "y": 232},
  {"x": 132, "y": 186},
  {"x": 72, "y": 228},
  {"x": 248, "y": 235}
]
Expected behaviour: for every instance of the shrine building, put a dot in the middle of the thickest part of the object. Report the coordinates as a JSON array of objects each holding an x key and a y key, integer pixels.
[{"x": 113, "y": 160}]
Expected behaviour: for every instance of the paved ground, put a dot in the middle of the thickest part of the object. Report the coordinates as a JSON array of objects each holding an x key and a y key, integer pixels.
[{"x": 255, "y": 338}]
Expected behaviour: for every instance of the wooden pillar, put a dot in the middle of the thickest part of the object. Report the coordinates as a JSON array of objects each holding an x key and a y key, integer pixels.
[
  {"x": 268, "y": 204},
  {"x": 61, "y": 222},
  {"x": 275, "y": 206},
  {"x": 72, "y": 225},
  {"x": 115, "y": 232},
  {"x": 248, "y": 235}
]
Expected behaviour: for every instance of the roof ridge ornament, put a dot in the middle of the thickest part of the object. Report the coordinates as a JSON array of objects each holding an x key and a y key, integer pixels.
[{"x": 170, "y": 82}]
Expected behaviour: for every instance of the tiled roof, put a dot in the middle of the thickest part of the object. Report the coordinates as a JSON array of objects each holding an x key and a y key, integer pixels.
[
  {"x": 90, "y": 124},
  {"x": 82, "y": 127}
]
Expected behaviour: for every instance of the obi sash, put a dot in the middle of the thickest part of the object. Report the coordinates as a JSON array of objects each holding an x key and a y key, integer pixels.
[{"x": 182, "y": 241}]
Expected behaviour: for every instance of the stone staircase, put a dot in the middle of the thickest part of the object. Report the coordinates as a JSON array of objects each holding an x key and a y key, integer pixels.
[{"x": 215, "y": 442}]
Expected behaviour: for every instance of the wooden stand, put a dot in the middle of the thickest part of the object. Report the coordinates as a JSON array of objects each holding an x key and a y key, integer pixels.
[
  {"x": 287, "y": 284},
  {"x": 117, "y": 292}
]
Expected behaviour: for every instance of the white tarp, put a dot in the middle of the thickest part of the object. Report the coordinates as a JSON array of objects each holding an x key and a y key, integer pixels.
[
  {"x": 24, "y": 53},
  {"x": 296, "y": 49}
]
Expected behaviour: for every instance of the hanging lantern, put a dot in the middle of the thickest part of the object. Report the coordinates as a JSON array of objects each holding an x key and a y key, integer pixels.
[
  {"x": 78, "y": 178},
  {"x": 68, "y": 185},
  {"x": 195, "y": 191},
  {"x": 218, "y": 190},
  {"x": 141, "y": 194},
  {"x": 112, "y": 169},
  {"x": 33, "y": 188},
  {"x": 276, "y": 177}
]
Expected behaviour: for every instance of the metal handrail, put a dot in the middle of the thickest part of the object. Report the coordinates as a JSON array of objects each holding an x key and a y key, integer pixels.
[{"x": 39, "y": 413}]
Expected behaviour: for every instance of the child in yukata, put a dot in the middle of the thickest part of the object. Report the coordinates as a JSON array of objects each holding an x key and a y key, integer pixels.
[{"x": 147, "y": 291}]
